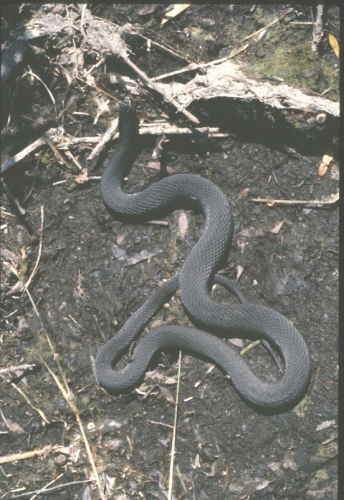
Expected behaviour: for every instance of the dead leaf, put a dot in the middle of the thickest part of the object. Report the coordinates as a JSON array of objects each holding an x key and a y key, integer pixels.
[
  {"x": 288, "y": 461},
  {"x": 252, "y": 232},
  {"x": 237, "y": 342},
  {"x": 14, "y": 427},
  {"x": 139, "y": 257},
  {"x": 276, "y": 229},
  {"x": 243, "y": 193},
  {"x": 177, "y": 9},
  {"x": 167, "y": 394},
  {"x": 155, "y": 375},
  {"x": 334, "y": 44},
  {"x": 240, "y": 270},
  {"x": 183, "y": 224},
  {"x": 147, "y": 9},
  {"x": 10, "y": 256},
  {"x": 324, "y": 165}
]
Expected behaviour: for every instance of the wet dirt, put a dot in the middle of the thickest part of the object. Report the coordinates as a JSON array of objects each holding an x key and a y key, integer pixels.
[{"x": 86, "y": 287}]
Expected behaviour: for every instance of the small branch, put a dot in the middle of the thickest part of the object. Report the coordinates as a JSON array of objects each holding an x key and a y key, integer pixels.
[
  {"x": 57, "y": 153},
  {"x": 328, "y": 201},
  {"x": 16, "y": 368},
  {"x": 29, "y": 149},
  {"x": 23, "y": 456}
]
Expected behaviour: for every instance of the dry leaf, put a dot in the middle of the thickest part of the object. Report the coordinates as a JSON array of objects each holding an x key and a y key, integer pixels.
[
  {"x": 139, "y": 257},
  {"x": 252, "y": 232},
  {"x": 243, "y": 193},
  {"x": 237, "y": 342},
  {"x": 324, "y": 165},
  {"x": 276, "y": 229},
  {"x": 167, "y": 394},
  {"x": 14, "y": 427},
  {"x": 334, "y": 44},
  {"x": 147, "y": 9},
  {"x": 183, "y": 224},
  {"x": 240, "y": 270},
  {"x": 288, "y": 461},
  {"x": 177, "y": 9}
]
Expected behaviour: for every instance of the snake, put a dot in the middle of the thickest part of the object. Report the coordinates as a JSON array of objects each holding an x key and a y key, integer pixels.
[{"x": 214, "y": 321}]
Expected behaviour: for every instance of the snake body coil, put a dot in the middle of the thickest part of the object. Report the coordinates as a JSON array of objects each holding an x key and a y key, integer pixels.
[{"x": 195, "y": 281}]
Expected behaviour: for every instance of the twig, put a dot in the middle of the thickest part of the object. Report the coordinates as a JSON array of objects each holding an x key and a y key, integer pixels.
[
  {"x": 194, "y": 66},
  {"x": 54, "y": 488},
  {"x": 57, "y": 153},
  {"x": 16, "y": 368},
  {"x": 23, "y": 456},
  {"x": 166, "y": 49},
  {"x": 282, "y": 190},
  {"x": 44, "y": 488},
  {"x": 329, "y": 201},
  {"x": 26, "y": 151},
  {"x": 74, "y": 160},
  {"x": 170, "y": 482},
  {"x": 105, "y": 139},
  {"x": 148, "y": 80},
  {"x": 146, "y": 129},
  {"x": 26, "y": 397},
  {"x": 81, "y": 427},
  {"x": 249, "y": 347},
  {"x": 268, "y": 25}
]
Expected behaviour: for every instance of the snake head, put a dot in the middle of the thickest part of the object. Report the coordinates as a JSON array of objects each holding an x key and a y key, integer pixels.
[{"x": 128, "y": 124}]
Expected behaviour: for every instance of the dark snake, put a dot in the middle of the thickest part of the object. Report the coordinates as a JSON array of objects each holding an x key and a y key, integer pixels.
[{"x": 195, "y": 280}]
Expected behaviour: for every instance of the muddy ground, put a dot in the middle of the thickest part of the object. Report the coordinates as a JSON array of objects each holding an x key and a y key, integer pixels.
[{"x": 86, "y": 287}]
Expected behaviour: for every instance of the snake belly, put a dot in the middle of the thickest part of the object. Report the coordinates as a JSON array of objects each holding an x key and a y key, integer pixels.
[{"x": 194, "y": 281}]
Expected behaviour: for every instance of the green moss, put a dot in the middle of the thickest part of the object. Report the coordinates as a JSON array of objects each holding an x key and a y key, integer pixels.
[{"x": 298, "y": 65}]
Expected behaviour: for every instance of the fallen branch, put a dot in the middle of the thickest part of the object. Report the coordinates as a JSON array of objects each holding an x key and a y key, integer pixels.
[{"x": 28, "y": 150}]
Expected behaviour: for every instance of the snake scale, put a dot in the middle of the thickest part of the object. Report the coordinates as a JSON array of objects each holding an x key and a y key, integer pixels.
[{"x": 194, "y": 281}]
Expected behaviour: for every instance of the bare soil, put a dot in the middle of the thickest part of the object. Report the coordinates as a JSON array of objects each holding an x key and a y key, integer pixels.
[{"x": 85, "y": 288}]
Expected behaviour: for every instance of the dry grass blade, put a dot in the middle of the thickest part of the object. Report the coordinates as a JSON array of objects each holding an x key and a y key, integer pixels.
[
  {"x": 81, "y": 427},
  {"x": 170, "y": 482},
  {"x": 34, "y": 271}
]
